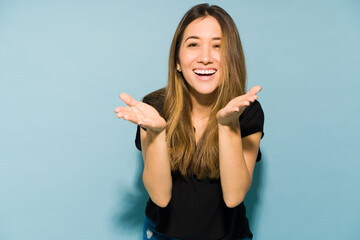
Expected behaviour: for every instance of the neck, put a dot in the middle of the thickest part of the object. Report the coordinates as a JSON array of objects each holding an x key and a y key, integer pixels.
[{"x": 201, "y": 104}]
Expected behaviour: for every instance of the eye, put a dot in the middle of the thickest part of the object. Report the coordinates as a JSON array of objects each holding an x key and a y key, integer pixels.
[
  {"x": 192, "y": 45},
  {"x": 217, "y": 46}
]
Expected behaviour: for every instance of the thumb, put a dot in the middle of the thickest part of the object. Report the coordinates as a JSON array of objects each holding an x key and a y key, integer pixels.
[
  {"x": 254, "y": 90},
  {"x": 128, "y": 99}
]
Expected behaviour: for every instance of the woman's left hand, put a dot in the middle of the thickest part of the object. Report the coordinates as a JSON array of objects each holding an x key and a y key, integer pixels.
[{"x": 231, "y": 112}]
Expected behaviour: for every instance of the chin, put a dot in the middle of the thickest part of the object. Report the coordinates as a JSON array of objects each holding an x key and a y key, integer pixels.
[{"x": 205, "y": 91}]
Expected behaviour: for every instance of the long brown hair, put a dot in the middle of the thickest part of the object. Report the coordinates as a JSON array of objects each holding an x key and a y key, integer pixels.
[{"x": 201, "y": 159}]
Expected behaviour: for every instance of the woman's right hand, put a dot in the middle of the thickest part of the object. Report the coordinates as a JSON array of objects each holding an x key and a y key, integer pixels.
[{"x": 140, "y": 113}]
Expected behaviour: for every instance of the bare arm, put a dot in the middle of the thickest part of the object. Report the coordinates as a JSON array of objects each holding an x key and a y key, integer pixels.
[
  {"x": 237, "y": 161},
  {"x": 237, "y": 155},
  {"x": 157, "y": 174}
]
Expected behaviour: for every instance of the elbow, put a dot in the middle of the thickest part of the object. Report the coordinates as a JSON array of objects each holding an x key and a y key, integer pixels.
[
  {"x": 163, "y": 202},
  {"x": 235, "y": 196},
  {"x": 234, "y": 201},
  {"x": 160, "y": 199},
  {"x": 159, "y": 194}
]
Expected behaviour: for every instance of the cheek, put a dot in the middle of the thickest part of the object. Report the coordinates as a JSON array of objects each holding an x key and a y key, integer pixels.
[
  {"x": 182, "y": 56},
  {"x": 187, "y": 76},
  {"x": 184, "y": 62},
  {"x": 217, "y": 56},
  {"x": 187, "y": 57}
]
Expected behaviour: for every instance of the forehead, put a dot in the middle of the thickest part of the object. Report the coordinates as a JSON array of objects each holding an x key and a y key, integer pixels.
[{"x": 207, "y": 27}]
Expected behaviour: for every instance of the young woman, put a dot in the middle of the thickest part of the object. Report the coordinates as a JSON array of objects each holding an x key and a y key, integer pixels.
[{"x": 200, "y": 135}]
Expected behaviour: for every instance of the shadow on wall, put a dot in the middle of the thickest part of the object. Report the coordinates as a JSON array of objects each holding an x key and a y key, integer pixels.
[
  {"x": 253, "y": 197},
  {"x": 132, "y": 214}
]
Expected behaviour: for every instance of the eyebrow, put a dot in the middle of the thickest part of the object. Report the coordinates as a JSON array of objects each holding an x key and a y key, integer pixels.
[{"x": 196, "y": 37}]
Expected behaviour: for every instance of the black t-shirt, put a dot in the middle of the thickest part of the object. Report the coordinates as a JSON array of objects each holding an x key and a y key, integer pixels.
[{"x": 197, "y": 210}]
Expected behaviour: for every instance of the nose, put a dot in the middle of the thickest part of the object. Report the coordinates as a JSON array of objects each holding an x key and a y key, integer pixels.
[{"x": 205, "y": 55}]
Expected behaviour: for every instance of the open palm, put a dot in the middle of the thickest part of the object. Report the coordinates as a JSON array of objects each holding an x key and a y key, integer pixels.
[
  {"x": 231, "y": 112},
  {"x": 140, "y": 113}
]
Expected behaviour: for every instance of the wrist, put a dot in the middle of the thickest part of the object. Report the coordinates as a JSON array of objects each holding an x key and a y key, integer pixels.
[
  {"x": 154, "y": 133},
  {"x": 155, "y": 136},
  {"x": 233, "y": 126},
  {"x": 158, "y": 128}
]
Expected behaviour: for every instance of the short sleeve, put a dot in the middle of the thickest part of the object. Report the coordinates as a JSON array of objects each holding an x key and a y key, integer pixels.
[
  {"x": 155, "y": 99},
  {"x": 137, "y": 138},
  {"x": 252, "y": 121}
]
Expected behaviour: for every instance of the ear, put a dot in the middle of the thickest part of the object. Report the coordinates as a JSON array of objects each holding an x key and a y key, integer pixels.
[{"x": 178, "y": 68}]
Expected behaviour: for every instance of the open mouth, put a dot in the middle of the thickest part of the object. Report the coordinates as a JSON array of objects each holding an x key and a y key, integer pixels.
[{"x": 207, "y": 72}]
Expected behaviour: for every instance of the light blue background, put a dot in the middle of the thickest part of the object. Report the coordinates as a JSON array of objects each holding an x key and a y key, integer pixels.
[{"x": 69, "y": 169}]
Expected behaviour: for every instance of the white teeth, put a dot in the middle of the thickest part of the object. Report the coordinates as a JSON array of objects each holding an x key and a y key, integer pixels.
[{"x": 199, "y": 71}]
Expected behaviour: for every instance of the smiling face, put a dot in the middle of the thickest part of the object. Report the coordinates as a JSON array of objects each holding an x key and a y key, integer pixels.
[{"x": 199, "y": 55}]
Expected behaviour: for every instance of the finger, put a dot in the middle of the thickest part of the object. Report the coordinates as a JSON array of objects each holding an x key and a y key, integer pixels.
[
  {"x": 252, "y": 98},
  {"x": 246, "y": 103},
  {"x": 254, "y": 90},
  {"x": 118, "y": 109},
  {"x": 129, "y": 116},
  {"x": 121, "y": 114},
  {"x": 122, "y": 111},
  {"x": 128, "y": 99}
]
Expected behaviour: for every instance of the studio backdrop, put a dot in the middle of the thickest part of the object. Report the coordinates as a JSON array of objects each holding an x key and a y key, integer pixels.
[{"x": 69, "y": 168}]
